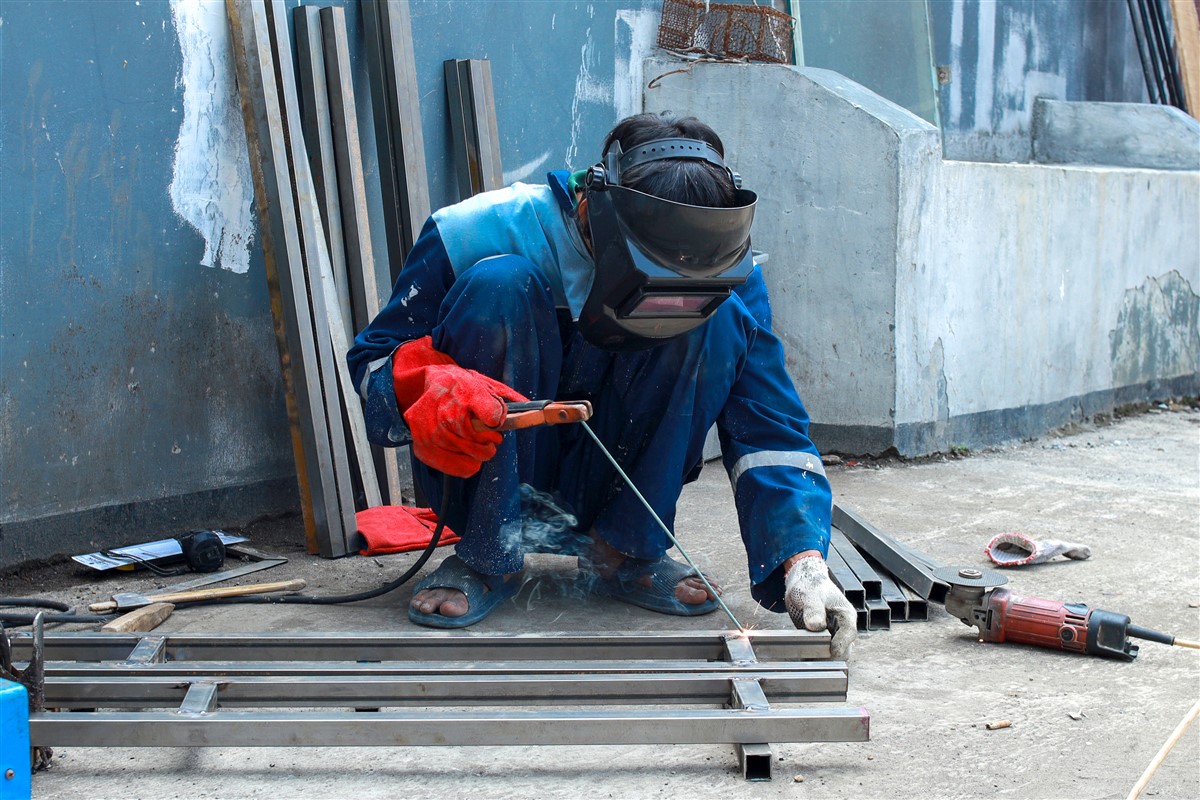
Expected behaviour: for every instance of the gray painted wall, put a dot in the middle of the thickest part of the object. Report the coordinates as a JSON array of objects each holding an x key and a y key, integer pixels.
[
  {"x": 1002, "y": 54},
  {"x": 927, "y": 304},
  {"x": 139, "y": 379}
]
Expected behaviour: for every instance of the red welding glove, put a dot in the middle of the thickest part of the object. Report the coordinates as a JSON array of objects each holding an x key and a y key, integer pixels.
[{"x": 440, "y": 402}]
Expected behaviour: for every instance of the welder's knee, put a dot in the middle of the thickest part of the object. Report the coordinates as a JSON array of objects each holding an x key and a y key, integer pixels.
[{"x": 504, "y": 289}]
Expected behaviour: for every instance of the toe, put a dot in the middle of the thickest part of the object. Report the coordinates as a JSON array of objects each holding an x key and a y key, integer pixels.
[
  {"x": 447, "y": 602},
  {"x": 692, "y": 591}
]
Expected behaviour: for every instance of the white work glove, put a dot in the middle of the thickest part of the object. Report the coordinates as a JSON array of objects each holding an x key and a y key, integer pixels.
[
  {"x": 1017, "y": 549},
  {"x": 815, "y": 603}
]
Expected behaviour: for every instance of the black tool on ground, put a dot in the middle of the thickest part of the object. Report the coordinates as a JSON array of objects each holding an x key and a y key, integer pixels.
[
  {"x": 202, "y": 550},
  {"x": 977, "y": 598}
]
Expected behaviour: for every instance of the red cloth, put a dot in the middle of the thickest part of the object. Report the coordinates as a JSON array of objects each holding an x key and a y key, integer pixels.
[
  {"x": 440, "y": 402},
  {"x": 398, "y": 529}
]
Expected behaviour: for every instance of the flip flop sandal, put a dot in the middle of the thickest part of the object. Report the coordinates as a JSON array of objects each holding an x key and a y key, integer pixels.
[
  {"x": 484, "y": 593},
  {"x": 659, "y": 596}
]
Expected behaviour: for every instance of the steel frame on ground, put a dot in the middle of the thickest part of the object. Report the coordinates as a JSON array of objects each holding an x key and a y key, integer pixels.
[{"x": 226, "y": 690}]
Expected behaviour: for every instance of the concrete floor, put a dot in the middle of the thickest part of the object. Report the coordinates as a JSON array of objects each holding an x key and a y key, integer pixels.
[{"x": 1130, "y": 490}]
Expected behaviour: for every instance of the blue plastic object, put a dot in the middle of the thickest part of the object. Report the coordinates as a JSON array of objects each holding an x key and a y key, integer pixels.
[{"x": 14, "y": 742}]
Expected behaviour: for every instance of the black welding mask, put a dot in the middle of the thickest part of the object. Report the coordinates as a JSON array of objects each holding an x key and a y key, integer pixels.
[{"x": 662, "y": 268}]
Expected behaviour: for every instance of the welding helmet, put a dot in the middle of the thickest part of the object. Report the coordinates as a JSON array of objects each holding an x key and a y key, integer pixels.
[{"x": 662, "y": 268}]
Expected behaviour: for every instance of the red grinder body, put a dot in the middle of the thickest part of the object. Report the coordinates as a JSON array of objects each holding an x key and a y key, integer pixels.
[{"x": 1011, "y": 617}]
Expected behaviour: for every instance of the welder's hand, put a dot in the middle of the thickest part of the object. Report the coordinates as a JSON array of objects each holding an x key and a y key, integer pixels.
[
  {"x": 440, "y": 400},
  {"x": 815, "y": 603}
]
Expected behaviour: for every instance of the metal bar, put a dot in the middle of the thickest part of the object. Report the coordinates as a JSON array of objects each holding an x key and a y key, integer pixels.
[
  {"x": 317, "y": 124},
  {"x": 753, "y": 757},
  {"x": 367, "y": 289},
  {"x": 143, "y": 690},
  {"x": 895, "y": 598},
  {"x": 224, "y": 575},
  {"x": 918, "y": 607},
  {"x": 413, "y": 728},
  {"x": 404, "y": 109},
  {"x": 1165, "y": 54},
  {"x": 328, "y": 327},
  {"x": 769, "y": 645},
  {"x": 739, "y": 650},
  {"x": 461, "y": 130},
  {"x": 846, "y": 580},
  {"x": 267, "y": 147},
  {"x": 865, "y": 572},
  {"x": 487, "y": 133},
  {"x": 879, "y": 615},
  {"x": 366, "y": 669},
  {"x": 370, "y": 284},
  {"x": 374, "y": 34},
  {"x": 201, "y": 698},
  {"x": 150, "y": 650},
  {"x": 890, "y": 555}
]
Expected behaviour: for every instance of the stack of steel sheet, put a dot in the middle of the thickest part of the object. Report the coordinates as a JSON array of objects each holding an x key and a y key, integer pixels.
[{"x": 885, "y": 579}]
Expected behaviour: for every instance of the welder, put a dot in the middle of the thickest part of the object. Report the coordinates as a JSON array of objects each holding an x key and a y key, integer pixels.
[{"x": 632, "y": 285}]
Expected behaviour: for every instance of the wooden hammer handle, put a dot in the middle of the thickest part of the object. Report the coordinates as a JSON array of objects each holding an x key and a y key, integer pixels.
[{"x": 212, "y": 594}]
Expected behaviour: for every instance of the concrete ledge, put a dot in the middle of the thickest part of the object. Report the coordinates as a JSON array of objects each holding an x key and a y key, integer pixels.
[
  {"x": 990, "y": 428},
  {"x": 1114, "y": 134},
  {"x": 128, "y": 523}
]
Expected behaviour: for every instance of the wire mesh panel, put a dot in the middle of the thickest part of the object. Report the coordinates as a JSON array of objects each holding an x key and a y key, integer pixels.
[{"x": 756, "y": 33}]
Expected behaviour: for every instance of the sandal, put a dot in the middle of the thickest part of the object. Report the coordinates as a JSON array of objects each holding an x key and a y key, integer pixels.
[
  {"x": 659, "y": 596},
  {"x": 484, "y": 593}
]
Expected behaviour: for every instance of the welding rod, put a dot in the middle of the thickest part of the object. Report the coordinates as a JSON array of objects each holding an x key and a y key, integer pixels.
[{"x": 661, "y": 524}]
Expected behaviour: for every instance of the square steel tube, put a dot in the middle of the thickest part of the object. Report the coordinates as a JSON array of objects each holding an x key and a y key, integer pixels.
[
  {"x": 415, "y": 728},
  {"x": 769, "y": 645},
  {"x": 893, "y": 556},
  {"x": 144, "y": 691}
]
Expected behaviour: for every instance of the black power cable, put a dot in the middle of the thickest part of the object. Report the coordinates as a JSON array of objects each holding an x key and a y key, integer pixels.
[
  {"x": 337, "y": 599},
  {"x": 299, "y": 599}
]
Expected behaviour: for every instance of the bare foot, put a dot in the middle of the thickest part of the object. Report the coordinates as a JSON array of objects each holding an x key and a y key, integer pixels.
[
  {"x": 444, "y": 601},
  {"x": 606, "y": 559}
]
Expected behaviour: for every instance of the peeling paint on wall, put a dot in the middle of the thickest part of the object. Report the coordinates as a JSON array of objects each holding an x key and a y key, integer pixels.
[
  {"x": 1157, "y": 333},
  {"x": 211, "y": 188},
  {"x": 588, "y": 89},
  {"x": 637, "y": 35}
]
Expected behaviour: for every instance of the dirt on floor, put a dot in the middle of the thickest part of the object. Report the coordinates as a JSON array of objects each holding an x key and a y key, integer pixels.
[{"x": 1079, "y": 727}]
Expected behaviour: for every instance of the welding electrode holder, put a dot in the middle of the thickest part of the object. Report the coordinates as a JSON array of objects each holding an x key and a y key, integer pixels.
[{"x": 532, "y": 413}]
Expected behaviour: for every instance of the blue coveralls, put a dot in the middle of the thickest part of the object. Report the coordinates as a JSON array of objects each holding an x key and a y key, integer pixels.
[{"x": 497, "y": 280}]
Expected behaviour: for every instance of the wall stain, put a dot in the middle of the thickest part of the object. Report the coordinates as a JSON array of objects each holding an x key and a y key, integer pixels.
[{"x": 1157, "y": 335}]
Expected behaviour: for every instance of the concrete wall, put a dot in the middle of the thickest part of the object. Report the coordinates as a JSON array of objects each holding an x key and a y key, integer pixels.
[
  {"x": 1115, "y": 134},
  {"x": 1042, "y": 295},
  {"x": 927, "y": 304}
]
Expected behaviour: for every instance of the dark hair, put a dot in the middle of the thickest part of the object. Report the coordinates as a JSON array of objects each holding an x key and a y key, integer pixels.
[{"x": 681, "y": 180}]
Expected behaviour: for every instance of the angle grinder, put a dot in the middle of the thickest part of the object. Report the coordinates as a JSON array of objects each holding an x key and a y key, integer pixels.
[{"x": 977, "y": 598}]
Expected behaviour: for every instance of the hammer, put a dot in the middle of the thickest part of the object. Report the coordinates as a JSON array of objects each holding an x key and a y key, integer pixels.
[{"x": 128, "y": 600}]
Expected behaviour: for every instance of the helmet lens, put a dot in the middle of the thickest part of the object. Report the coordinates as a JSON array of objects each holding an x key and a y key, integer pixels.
[{"x": 673, "y": 305}]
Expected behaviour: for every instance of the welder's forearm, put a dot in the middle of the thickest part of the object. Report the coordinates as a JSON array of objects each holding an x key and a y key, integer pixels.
[{"x": 793, "y": 560}]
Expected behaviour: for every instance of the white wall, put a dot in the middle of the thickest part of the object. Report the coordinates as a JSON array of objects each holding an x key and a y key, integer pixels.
[{"x": 927, "y": 303}]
